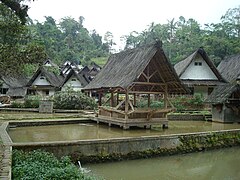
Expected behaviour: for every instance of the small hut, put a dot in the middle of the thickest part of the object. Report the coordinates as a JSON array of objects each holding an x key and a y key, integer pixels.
[
  {"x": 225, "y": 102},
  {"x": 132, "y": 73}
]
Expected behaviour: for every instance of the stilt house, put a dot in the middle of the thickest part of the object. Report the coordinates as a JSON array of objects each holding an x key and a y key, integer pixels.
[{"x": 131, "y": 73}]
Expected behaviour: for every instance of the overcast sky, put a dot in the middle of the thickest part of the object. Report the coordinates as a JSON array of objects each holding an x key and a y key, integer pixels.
[{"x": 121, "y": 17}]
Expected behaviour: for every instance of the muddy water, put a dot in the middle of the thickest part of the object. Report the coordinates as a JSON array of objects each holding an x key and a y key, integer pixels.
[
  {"x": 211, "y": 165},
  {"x": 85, "y": 131}
]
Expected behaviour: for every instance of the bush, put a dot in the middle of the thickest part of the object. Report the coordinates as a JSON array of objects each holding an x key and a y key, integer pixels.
[
  {"x": 32, "y": 101},
  {"x": 43, "y": 165},
  {"x": 73, "y": 100}
]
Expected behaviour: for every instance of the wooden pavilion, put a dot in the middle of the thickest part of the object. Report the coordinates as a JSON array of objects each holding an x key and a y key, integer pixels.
[{"x": 132, "y": 73}]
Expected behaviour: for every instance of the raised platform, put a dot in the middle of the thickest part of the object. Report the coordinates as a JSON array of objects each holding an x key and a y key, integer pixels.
[{"x": 138, "y": 117}]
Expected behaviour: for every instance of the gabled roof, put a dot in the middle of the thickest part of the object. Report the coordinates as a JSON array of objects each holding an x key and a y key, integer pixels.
[
  {"x": 181, "y": 66},
  {"x": 16, "y": 84},
  {"x": 81, "y": 76},
  {"x": 55, "y": 80},
  {"x": 221, "y": 93},
  {"x": 48, "y": 61},
  {"x": 128, "y": 67},
  {"x": 230, "y": 67},
  {"x": 15, "y": 81}
]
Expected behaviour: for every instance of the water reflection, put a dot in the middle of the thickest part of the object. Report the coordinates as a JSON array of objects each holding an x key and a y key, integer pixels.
[
  {"x": 85, "y": 131},
  {"x": 214, "y": 165}
]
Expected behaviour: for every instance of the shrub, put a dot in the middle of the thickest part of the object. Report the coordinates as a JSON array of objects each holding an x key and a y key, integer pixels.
[
  {"x": 73, "y": 100},
  {"x": 43, "y": 165},
  {"x": 32, "y": 101}
]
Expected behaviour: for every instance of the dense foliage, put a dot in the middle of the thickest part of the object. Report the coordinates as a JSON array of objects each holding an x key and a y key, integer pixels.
[
  {"x": 38, "y": 165},
  {"x": 24, "y": 44},
  {"x": 181, "y": 103},
  {"x": 181, "y": 37},
  {"x": 73, "y": 100},
  {"x": 17, "y": 45}
]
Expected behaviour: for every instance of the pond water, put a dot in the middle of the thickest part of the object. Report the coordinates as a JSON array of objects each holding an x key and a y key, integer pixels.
[
  {"x": 220, "y": 164},
  {"x": 83, "y": 131}
]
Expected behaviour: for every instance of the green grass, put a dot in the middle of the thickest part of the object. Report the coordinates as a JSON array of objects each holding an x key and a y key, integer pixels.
[{"x": 101, "y": 61}]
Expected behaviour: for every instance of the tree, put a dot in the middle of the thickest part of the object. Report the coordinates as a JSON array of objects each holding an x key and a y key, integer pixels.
[
  {"x": 18, "y": 8},
  {"x": 16, "y": 45}
]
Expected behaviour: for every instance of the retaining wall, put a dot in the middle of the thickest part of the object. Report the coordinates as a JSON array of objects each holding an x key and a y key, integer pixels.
[{"x": 130, "y": 148}]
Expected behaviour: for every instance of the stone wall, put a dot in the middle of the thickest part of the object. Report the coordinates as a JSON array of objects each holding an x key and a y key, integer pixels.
[
  {"x": 185, "y": 117},
  {"x": 141, "y": 147}
]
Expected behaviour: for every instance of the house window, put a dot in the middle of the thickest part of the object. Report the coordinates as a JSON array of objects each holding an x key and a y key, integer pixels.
[
  {"x": 47, "y": 92},
  {"x": 73, "y": 79},
  {"x": 3, "y": 90},
  {"x": 198, "y": 63},
  {"x": 42, "y": 77}
]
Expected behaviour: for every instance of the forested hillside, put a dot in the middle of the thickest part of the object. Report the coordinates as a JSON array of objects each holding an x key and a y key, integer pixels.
[
  {"x": 183, "y": 36},
  {"x": 24, "y": 42}
]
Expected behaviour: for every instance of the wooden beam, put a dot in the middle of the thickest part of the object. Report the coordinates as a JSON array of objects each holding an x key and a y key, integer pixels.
[
  {"x": 146, "y": 92},
  {"x": 149, "y": 83}
]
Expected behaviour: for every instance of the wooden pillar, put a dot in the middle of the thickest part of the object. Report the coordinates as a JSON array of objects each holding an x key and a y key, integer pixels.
[
  {"x": 100, "y": 99},
  {"x": 134, "y": 100},
  {"x": 126, "y": 103},
  {"x": 112, "y": 100},
  {"x": 117, "y": 98},
  {"x": 165, "y": 96},
  {"x": 148, "y": 100}
]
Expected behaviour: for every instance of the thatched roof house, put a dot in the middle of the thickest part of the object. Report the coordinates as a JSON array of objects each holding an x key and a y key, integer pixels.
[
  {"x": 15, "y": 85},
  {"x": 143, "y": 70},
  {"x": 199, "y": 73},
  {"x": 76, "y": 80},
  {"x": 230, "y": 67},
  {"x": 45, "y": 81}
]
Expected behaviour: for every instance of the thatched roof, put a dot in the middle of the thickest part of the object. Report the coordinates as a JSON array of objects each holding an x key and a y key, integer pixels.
[
  {"x": 181, "y": 66},
  {"x": 230, "y": 67},
  {"x": 130, "y": 66},
  {"x": 15, "y": 81},
  {"x": 17, "y": 92},
  {"x": 16, "y": 84},
  {"x": 221, "y": 93},
  {"x": 81, "y": 76},
  {"x": 54, "y": 79}
]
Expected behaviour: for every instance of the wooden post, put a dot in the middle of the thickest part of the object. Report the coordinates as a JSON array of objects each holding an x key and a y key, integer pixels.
[
  {"x": 117, "y": 98},
  {"x": 134, "y": 100},
  {"x": 100, "y": 99},
  {"x": 165, "y": 97},
  {"x": 148, "y": 100},
  {"x": 126, "y": 103},
  {"x": 112, "y": 101}
]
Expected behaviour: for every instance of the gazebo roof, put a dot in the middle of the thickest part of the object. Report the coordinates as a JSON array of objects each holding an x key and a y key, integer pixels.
[{"x": 143, "y": 66}]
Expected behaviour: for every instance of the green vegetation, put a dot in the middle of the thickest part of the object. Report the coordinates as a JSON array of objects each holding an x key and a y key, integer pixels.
[
  {"x": 101, "y": 61},
  {"x": 24, "y": 42},
  {"x": 29, "y": 102},
  {"x": 73, "y": 100},
  {"x": 183, "y": 36},
  {"x": 188, "y": 143},
  {"x": 38, "y": 165}
]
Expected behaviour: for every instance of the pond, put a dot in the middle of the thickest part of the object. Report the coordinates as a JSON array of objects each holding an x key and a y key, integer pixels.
[
  {"x": 84, "y": 131},
  {"x": 214, "y": 165}
]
